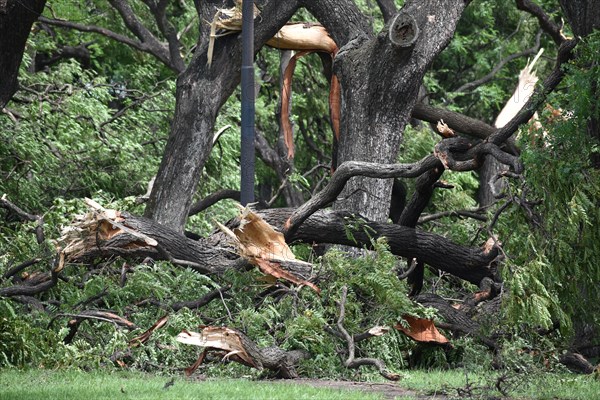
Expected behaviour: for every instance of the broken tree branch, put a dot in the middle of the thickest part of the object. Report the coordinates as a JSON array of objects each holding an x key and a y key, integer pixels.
[
  {"x": 538, "y": 97},
  {"x": 351, "y": 361},
  {"x": 484, "y": 79},
  {"x": 457, "y": 121}
]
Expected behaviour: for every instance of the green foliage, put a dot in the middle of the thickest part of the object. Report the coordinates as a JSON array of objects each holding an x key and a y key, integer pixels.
[
  {"x": 553, "y": 268},
  {"x": 99, "y": 132},
  {"x": 65, "y": 143},
  {"x": 487, "y": 34}
]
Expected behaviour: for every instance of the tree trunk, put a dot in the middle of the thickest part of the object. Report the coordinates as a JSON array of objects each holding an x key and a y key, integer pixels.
[
  {"x": 16, "y": 18},
  {"x": 201, "y": 91},
  {"x": 380, "y": 81}
]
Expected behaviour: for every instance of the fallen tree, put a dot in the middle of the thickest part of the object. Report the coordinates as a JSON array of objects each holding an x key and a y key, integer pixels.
[{"x": 109, "y": 232}]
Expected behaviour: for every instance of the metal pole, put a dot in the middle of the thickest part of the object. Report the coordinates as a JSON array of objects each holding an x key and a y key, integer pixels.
[{"x": 247, "y": 152}]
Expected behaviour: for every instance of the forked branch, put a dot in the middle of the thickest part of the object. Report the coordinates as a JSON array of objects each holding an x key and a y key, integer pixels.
[{"x": 351, "y": 361}]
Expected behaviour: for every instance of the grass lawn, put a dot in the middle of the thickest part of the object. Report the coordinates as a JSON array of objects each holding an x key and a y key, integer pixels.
[
  {"x": 59, "y": 385},
  {"x": 453, "y": 383}
]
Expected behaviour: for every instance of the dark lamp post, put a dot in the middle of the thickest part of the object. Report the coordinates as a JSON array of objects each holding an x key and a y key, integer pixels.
[{"x": 247, "y": 151}]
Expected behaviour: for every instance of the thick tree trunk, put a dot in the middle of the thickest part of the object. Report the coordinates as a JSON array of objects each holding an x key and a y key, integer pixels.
[
  {"x": 582, "y": 15},
  {"x": 201, "y": 91},
  {"x": 380, "y": 81},
  {"x": 16, "y": 18}
]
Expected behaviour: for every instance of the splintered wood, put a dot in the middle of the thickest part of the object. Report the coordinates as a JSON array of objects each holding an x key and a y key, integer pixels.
[
  {"x": 218, "y": 338},
  {"x": 422, "y": 330},
  {"x": 87, "y": 230},
  {"x": 262, "y": 246}
]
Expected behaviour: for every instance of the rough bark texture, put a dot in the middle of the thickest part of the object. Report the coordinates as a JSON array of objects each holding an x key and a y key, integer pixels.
[
  {"x": 16, "y": 19},
  {"x": 582, "y": 15},
  {"x": 201, "y": 91},
  {"x": 215, "y": 254},
  {"x": 380, "y": 82},
  {"x": 489, "y": 186},
  {"x": 468, "y": 263}
]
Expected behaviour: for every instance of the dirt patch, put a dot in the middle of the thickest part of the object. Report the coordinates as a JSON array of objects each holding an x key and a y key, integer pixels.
[{"x": 388, "y": 390}]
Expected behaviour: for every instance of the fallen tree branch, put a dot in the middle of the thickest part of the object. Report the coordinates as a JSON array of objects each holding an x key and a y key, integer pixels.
[
  {"x": 240, "y": 348},
  {"x": 18, "y": 268},
  {"x": 99, "y": 315},
  {"x": 576, "y": 363},
  {"x": 25, "y": 216},
  {"x": 30, "y": 290},
  {"x": 204, "y": 300},
  {"x": 351, "y": 361},
  {"x": 216, "y": 255}
]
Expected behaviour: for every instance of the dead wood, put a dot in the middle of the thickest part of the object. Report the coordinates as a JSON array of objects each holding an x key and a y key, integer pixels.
[
  {"x": 97, "y": 315},
  {"x": 576, "y": 363},
  {"x": 215, "y": 254},
  {"x": 351, "y": 361},
  {"x": 240, "y": 348}
]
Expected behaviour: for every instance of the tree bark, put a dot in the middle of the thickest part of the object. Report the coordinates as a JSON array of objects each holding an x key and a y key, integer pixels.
[
  {"x": 582, "y": 15},
  {"x": 201, "y": 91},
  {"x": 216, "y": 255},
  {"x": 380, "y": 81},
  {"x": 16, "y": 19}
]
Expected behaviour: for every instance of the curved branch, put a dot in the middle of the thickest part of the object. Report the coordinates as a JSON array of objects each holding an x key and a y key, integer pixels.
[
  {"x": 213, "y": 198},
  {"x": 25, "y": 216},
  {"x": 458, "y": 154},
  {"x": 351, "y": 361},
  {"x": 148, "y": 42},
  {"x": 546, "y": 23},
  {"x": 96, "y": 29},
  {"x": 346, "y": 171}
]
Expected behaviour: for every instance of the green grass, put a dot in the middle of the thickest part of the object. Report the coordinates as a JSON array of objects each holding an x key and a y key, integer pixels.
[
  {"x": 539, "y": 387},
  {"x": 59, "y": 385}
]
